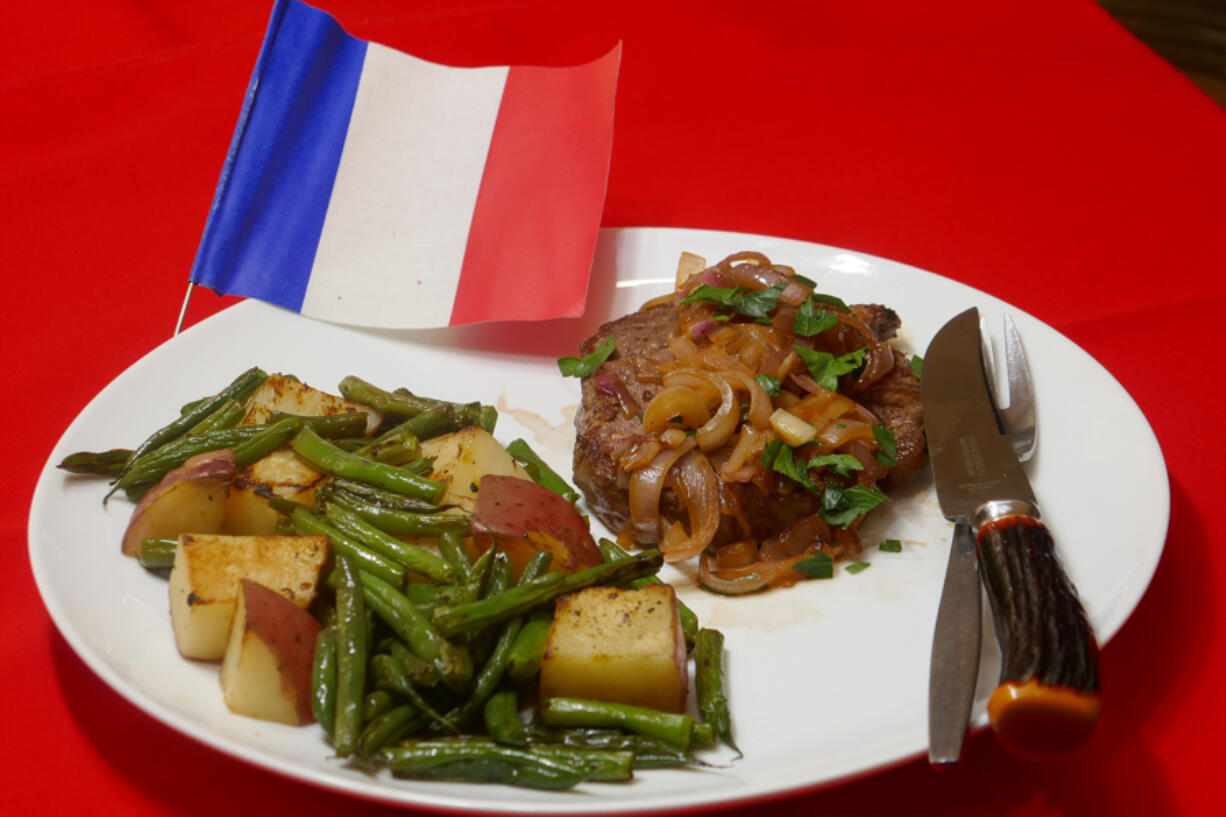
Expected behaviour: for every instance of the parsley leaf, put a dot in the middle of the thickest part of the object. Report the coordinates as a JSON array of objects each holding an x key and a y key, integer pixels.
[
  {"x": 826, "y": 368},
  {"x": 815, "y": 566},
  {"x": 829, "y": 300},
  {"x": 890, "y": 546},
  {"x": 888, "y": 455},
  {"x": 707, "y": 294},
  {"x": 917, "y": 367},
  {"x": 856, "y": 567},
  {"x": 841, "y": 464},
  {"x": 842, "y": 506},
  {"x": 584, "y": 366},
  {"x": 756, "y": 303},
  {"x": 800, "y": 279},
  {"x": 779, "y": 457},
  {"x": 811, "y": 321},
  {"x": 769, "y": 383}
]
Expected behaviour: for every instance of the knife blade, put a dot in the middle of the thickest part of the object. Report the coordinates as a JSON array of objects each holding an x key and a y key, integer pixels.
[
  {"x": 954, "y": 667},
  {"x": 1047, "y": 700}
]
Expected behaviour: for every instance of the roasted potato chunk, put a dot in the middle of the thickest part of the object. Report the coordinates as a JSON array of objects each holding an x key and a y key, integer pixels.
[
  {"x": 619, "y": 645},
  {"x": 463, "y": 458},
  {"x": 204, "y": 582}
]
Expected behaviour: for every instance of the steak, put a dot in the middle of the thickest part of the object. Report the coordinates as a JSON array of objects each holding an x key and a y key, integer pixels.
[{"x": 608, "y": 423}]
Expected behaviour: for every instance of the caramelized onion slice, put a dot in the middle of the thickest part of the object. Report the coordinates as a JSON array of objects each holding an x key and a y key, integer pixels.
[
  {"x": 694, "y": 481},
  {"x": 646, "y": 486}
]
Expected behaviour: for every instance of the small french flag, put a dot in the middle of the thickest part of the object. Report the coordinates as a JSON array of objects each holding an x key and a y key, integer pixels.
[{"x": 368, "y": 187}]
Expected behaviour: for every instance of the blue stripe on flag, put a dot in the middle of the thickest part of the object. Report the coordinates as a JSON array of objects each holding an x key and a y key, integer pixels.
[{"x": 263, "y": 230}]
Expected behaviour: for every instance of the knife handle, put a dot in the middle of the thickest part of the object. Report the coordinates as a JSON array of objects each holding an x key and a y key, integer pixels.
[{"x": 1047, "y": 702}]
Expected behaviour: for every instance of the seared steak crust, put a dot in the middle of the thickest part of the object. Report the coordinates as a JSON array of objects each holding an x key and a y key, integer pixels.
[{"x": 607, "y": 424}]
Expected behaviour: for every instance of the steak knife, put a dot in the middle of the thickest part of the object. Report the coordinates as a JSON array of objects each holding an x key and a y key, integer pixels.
[{"x": 1047, "y": 700}]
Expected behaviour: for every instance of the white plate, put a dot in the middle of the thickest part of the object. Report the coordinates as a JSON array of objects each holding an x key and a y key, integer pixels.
[{"x": 827, "y": 679}]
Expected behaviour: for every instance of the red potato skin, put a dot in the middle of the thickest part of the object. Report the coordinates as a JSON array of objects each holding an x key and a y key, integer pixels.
[
  {"x": 524, "y": 517},
  {"x": 291, "y": 633},
  {"x": 212, "y": 469}
]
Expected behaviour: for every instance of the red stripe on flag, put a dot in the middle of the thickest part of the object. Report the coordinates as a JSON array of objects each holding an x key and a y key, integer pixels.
[{"x": 538, "y": 211}]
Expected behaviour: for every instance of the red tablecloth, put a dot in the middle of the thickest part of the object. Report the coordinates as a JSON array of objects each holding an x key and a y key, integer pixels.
[{"x": 1032, "y": 150}]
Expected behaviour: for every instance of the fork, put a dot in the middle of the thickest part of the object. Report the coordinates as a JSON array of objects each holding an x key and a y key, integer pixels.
[{"x": 954, "y": 668}]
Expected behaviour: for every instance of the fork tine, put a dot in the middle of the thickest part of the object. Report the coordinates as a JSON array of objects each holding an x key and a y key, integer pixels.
[{"x": 1018, "y": 417}]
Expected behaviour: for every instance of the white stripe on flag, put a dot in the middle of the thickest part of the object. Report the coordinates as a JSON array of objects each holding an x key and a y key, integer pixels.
[{"x": 397, "y": 224}]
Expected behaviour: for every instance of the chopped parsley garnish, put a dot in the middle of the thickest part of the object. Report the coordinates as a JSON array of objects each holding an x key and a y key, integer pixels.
[
  {"x": 888, "y": 455},
  {"x": 829, "y": 300},
  {"x": 917, "y": 367},
  {"x": 752, "y": 303},
  {"x": 584, "y": 366},
  {"x": 841, "y": 464},
  {"x": 815, "y": 566},
  {"x": 778, "y": 456},
  {"x": 769, "y": 383},
  {"x": 890, "y": 546},
  {"x": 856, "y": 567},
  {"x": 842, "y": 506},
  {"x": 811, "y": 321},
  {"x": 826, "y": 368},
  {"x": 800, "y": 279}
]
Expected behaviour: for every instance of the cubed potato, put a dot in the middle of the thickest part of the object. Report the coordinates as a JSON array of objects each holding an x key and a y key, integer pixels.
[
  {"x": 523, "y": 517},
  {"x": 285, "y": 394},
  {"x": 619, "y": 645},
  {"x": 266, "y": 672},
  {"x": 205, "y": 579},
  {"x": 189, "y": 499},
  {"x": 462, "y": 458},
  {"x": 282, "y": 473}
]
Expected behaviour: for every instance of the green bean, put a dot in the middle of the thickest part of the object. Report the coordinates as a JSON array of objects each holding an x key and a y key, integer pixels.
[
  {"x": 154, "y": 465},
  {"x": 330, "y": 426},
  {"x": 377, "y": 702},
  {"x": 495, "y": 665},
  {"x": 482, "y": 761},
  {"x": 323, "y": 680},
  {"x": 372, "y": 495},
  {"x": 709, "y": 684},
  {"x": 366, "y": 559},
  {"x": 388, "y": 728},
  {"x": 474, "y": 585},
  {"x": 327, "y": 457},
  {"x": 96, "y": 463},
  {"x": 227, "y": 415},
  {"x": 405, "y": 405},
  {"x": 429, "y": 597},
  {"x": 672, "y": 727},
  {"x": 418, "y": 671},
  {"x": 402, "y": 523},
  {"x": 399, "y": 444},
  {"x": 158, "y": 554},
  {"x": 480, "y": 614},
  {"x": 351, "y": 657},
  {"x": 453, "y": 663},
  {"x": 389, "y": 674},
  {"x": 610, "y": 550},
  {"x": 540, "y": 471},
  {"x": 451, "y": 547},
  {"x": 271, "y": 438},
  {"x": 477, "y": 615},
  {"x": 649, "y": 753},
  {"x": 501, "y": 714},
  {"x": 239, "y": 389},
  {"x": 524, "y": 660},
  {"x": 413, "y": 557}
]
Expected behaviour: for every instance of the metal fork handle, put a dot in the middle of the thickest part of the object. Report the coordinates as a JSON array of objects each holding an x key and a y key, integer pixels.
[{"x": 954, "y": 667}]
